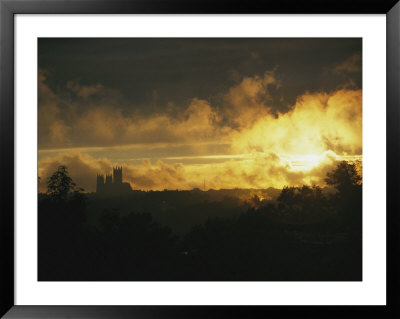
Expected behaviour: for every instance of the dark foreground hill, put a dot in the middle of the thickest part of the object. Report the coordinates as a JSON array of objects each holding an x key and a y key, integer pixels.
[
  {"x": 303, "y": 234},
  {"x": 181, "y": 210}
]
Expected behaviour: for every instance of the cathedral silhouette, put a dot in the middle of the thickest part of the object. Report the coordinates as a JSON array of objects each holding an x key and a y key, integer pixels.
[{"x": 112, "y": 185}]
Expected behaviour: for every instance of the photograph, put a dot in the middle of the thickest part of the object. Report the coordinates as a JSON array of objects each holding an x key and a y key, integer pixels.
[{"x": 199, "y": 159}]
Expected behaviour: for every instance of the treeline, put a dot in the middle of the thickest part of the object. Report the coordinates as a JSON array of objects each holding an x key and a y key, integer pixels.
[{"x": 306, "y": 236}]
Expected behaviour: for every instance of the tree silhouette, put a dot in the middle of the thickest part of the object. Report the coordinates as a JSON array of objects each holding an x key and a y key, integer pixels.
[
  {"x": 348, "y": 199},
  {"x": 287, "y": 196},
  {"x": 344, "y": 178},
  {"x": 60, "y": 184}
]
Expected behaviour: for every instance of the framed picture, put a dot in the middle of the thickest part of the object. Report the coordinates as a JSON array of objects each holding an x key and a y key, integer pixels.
[{"x": 192, "y": 160}]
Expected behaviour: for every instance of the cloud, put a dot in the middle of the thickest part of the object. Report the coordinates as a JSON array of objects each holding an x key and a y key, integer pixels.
[
  {"x": 158, "y": 176},
  {"x": 50, "y": 126},
  {"x": 59, "y": 132},
  {"x": 318, "y": 122},
  {"x": 62, "y": 111},
  {"x": 257, "y": 172},
  {"x": 97, "y": 120},
  {"x": 248, "y": 100},
  {"x": 351, "y": 65},
  {"x": 84, "y": 168},
  {"x": 263, "y": 148},
  {"x": 85, "y": 92},
  {"x": 101, "y": 125}
]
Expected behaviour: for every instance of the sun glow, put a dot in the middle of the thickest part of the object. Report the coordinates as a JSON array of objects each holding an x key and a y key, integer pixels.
[{"x": 305, "y": 162}]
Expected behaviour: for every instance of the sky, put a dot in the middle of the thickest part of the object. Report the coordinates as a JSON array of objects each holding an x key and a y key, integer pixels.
[{"x": 179, "y": 113}]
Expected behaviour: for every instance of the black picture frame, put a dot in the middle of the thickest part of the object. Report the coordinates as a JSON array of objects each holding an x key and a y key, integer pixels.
[{"x": 8, "y": 10}]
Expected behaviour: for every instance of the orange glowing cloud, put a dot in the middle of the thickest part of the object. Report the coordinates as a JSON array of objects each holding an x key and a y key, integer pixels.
[
  {"x": 252, "y": 146},
  {"x": 316, "y": 123}
]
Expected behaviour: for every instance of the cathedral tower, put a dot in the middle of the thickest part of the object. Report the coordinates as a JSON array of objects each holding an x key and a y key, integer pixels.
[
  {"x": 112, "y": 184},
  {"x": 100, "y": 184},
  {"x": 117, "y": 174},
  {"x": 108, "y": 179}
]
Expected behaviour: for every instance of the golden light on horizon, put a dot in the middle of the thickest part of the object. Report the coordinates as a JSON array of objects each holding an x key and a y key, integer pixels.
[{"x": 305, "y": 162}]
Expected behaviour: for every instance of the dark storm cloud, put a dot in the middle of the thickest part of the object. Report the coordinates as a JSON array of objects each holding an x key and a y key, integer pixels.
[{"x": 150, "y": 73}]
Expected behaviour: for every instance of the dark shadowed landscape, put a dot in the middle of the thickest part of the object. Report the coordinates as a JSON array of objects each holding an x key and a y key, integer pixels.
[{"x": 303, "y": 233}]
